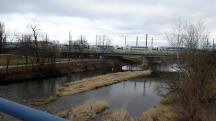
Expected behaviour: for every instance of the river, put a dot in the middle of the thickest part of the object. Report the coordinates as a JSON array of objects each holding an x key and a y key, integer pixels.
[{"x": 134, "y": 95}]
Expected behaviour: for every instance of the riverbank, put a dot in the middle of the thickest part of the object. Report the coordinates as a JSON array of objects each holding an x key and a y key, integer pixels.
[
  {"x": 91, "y": 83},
  {"x": 99, "y": 81},
  {"x": 100, "y": 109},
  {"x": 136, "y": 95},
  {"x": 164, "y": 111},
  {"x": 27, "y": 72}
]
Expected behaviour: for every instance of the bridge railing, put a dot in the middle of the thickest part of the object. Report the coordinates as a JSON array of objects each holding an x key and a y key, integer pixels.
[{"x": 26, "y": 113}]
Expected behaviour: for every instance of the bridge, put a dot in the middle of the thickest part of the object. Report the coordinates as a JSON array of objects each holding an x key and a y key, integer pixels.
[
  {"x": 130, "y": 53},
  {"x": 149, "y": 57}
]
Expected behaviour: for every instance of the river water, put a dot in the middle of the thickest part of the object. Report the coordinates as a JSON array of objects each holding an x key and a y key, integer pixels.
[
  {"x": 134, "y": 95},
  {"x": 42, "y": 88}
]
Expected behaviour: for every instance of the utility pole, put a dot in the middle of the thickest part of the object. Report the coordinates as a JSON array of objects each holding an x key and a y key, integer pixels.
[
  {"x": 96, "y": 40},
  {"x": 103, "y": 40},
  {"x": 125, "y": 41},
  {"x": 69, "y": 49},
  {"x": 22, "y": 38},
  {"x": 137, "y": 41},
  {"x": 213, "y": 44},
  {"x": 152, "y": 42},
  {"x": 69, "y": 36},
  {"x": 99, "y": 39},
  {"x": 46, "y": 37},
  {"x": 81, "y": 37},
  {"x": 146, "y": 40},
  {"x": 69, "y": 41}
]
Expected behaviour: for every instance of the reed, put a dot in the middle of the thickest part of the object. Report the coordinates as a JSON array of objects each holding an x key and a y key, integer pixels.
[
  {"x": 120, "y": 115},
  {"x": 85, "y": 112},
  {"x": 160, "y": 113},
  {"x": 99, "y": 81}
]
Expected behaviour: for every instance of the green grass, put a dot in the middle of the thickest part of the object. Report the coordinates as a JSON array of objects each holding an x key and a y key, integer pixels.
[
  {"x": 19, "y": 59},
  {"x": 14, "y": 59}
]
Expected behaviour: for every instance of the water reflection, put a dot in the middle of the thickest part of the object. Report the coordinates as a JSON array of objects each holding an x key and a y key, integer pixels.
[
  {"x": 43, "y": 88},
  {"x": 135, "y": 96},
  {"x": 168, "y": 67},
  {"x": 131, "y": 68},
  {"x": 144, "y": 87}
]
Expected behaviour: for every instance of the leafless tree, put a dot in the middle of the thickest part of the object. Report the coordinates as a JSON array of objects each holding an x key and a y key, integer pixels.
[
  {"x": 196, "y": 84},
  {"x": 80, "y": 44},
  {"x": 49, "y": 50},
  {"x": 27, "y": 48},
  {"x": 187, "y": 35},
  {"x": 2, "y": 36},
  {"x": 35, "y": 31},
  {"x": 8, "y": 59}
]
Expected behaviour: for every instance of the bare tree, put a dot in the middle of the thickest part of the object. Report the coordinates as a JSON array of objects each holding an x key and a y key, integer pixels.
[
  {"x": 35, "y": 31},
  {"x": 81, "y": 44},
  {"x": 54, "y": 52},
  {"x": 175, "y": 37},
  {"x": 27, "y": 48},
  {"x": 195, "y": 85},
  {"x": 49, "y": 50},
  {"x": 2, "y": 36},
  {"x": 8, "y": 59},
  {"x": 187, "y": 35}
]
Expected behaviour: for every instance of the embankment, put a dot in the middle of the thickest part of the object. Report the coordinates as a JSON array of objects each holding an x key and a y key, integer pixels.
[
  {"x": 27, "y": 72},
  {"x": 100, "y": 109},
  {"x": 99, "y": 81}
]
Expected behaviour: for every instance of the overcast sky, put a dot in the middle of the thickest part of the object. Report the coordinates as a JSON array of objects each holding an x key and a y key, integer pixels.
[{"x": 112, "y": 17}]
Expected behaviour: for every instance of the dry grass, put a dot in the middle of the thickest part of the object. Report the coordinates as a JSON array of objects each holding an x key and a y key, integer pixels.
[
  {"x": 85, "y": 112},
  {"x": 63, "y": 114},
  {"x": 121, "y": 115},
  {"x": 169, "y": 99},
  {"x": 211, "y": 113},
  {"x": 98, "y": 81},
  {"x": 1, "y": 116},
  {"x": 160, "y": 113},
  {"x": 88, "y": 111},
  {"x": 39, "y": 102}
]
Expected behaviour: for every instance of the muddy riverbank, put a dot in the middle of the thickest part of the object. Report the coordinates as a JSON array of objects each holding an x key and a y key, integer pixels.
[{"x": 23, "y": 73}]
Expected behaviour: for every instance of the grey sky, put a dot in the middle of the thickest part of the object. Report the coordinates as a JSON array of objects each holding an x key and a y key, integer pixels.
[{"x": 112, "y": 17}]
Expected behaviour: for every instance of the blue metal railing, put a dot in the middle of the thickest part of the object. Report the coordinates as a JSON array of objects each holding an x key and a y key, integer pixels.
[{"x": 26, "y": 113}]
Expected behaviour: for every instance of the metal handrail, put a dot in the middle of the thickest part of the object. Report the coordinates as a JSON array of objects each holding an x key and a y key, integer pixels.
[{"x": 26, "y": 113}]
